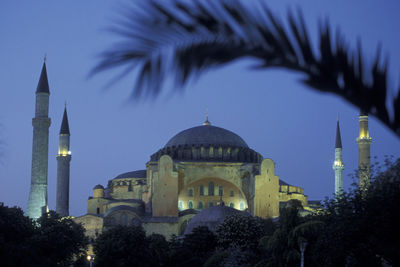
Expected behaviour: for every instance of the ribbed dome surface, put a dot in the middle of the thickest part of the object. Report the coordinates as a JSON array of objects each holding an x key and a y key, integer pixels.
[
  {"x": 207, "y": 135},
  {"x": 211, "y": 217}
]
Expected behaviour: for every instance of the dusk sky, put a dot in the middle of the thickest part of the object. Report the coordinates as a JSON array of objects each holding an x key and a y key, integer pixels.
[{"x": 110, "y": 134}]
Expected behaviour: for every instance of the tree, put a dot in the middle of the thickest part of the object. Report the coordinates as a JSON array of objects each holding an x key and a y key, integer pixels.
[
  {"x": 194, "y": 248},
  {"x": 15, "y": 233},
  {"x": 186, "y": 38},
  {"x": 58, "y": 241},
  {"x": 362, "y": 229},
  {"x": 159, "y": 250},
  {"x": 241, "y": 231},
  {"x": 122, "y": 246},
  {"x": 50, "y": 241}
]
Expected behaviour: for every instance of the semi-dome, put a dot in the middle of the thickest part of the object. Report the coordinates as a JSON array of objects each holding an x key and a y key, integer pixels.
[
  {"x": 211, "y": 217},
  {"x": 207, "y": 135},
  {"x": 208, "y": 143},
  {"x": 132, "y": 174}
]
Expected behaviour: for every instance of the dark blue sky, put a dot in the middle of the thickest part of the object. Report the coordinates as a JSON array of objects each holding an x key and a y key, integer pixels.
[{"x": 270, "y": 110}]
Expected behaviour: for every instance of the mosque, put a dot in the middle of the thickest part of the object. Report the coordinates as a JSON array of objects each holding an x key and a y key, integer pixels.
[{"x": 198, "y": 169}]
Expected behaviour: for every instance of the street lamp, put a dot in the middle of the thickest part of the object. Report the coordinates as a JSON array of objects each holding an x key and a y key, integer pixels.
[{"x": 90, "y": 258}]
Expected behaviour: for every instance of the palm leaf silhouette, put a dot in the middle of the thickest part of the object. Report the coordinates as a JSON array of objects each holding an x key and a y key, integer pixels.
[{"x": 186, "y": 38}]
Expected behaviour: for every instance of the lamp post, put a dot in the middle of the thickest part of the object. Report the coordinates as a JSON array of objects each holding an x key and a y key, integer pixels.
[
  {"x": 303, "y": 246},
  {"x": 90, "y": 258}
]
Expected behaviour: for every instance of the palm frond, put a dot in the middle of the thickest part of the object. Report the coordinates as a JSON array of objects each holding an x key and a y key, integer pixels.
[{"x": 185, "y": 38}]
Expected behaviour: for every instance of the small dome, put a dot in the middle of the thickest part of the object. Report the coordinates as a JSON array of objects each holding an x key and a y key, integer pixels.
[
  {"x": 99, "y": 186},
  {"x": 211, "y": 217},
  {"x": 207, "y": 135}
]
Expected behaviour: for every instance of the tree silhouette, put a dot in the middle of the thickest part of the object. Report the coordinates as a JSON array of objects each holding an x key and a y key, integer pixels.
[{"x": 186, "y": 38}]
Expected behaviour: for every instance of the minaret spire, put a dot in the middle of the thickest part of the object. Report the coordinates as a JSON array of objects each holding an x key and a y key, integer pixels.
[
  {"x": 37, "y": 203},
  {"x": 338, "y": 165},
  {"x": 364, "y": 153},
  {"x": 63, "y": 167}
]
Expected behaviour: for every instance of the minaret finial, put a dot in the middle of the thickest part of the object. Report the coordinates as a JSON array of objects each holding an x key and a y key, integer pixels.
[
  {"x": 338, "y": 143},
  {"x": 206, "y": 122},
  {"x": 45, "y": 57}
]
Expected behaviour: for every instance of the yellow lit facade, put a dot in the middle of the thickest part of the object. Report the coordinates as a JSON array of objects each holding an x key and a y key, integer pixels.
[{"x": 198, "y": 168}]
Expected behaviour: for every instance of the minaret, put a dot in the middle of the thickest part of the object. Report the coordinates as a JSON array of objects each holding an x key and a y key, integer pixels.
[
  {"x": 338, "y": 165},
  {"x": 37, "y": 204},
  {"x": 364, "y": 144},
  {"x": 63, "y": 161}
]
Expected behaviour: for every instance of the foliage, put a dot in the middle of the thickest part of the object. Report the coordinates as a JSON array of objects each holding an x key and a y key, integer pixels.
[
  {"x": 15, "y": 233},
  {"x": 187, "y": 38},
  {"x": 216, "y": 259},
  {"x": 236, "y": 257},
  {"x": 159, "y": 250},
  {"x": 50, "y": 241},
  {"x": 122, "y": 246},
  {"x": 281, "y": 248},
  {"x": 240, "y": 230},
  {"x": 201, "y": 241},
  {"x": 194, "y": 248},
  {"x": 59, "y": 239},
  {"x": 363, "y": 229}
]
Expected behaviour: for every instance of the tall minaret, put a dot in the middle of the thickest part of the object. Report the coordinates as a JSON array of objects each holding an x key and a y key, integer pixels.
[
  {"x": 338, "y": 165},
  {"x": 37, "y": 204},
  {"x": 364, "y": 144},
  {"x": 63, "y": 160}
]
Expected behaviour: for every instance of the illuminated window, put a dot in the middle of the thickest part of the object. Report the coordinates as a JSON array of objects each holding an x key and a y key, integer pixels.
[
  {"x": 231, "y": 205},
  {"x": 232, "y": 193},
  {"x": 190, "y": 204},
  {"x": 211, "y": 188},
  {"x": 190, "y": 192},
  {"x": 201, "y": 190},
  {"x": 220, "y": 190},
  {"x": 210, "y": 204},
  {"x": 180, "y": 205},
  {"x": 200, "y": 205},
  {"x": 242, "y": 205}
]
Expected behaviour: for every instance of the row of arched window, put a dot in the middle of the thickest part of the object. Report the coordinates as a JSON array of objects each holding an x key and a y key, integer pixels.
[
  {"x": 210, "y": 190},
  {"x": 201, "y": 205}
]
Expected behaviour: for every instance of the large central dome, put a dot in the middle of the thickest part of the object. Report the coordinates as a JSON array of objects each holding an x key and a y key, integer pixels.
[
  {"x": 208, "y": 143},
  {"x": 207, "y": 135}
]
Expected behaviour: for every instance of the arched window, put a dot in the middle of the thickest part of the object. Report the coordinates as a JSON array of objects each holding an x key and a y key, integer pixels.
[
  {"x": 190, "y": 192},
  {"x": 220, "y": 190},
  {"x": 241, "y": 205},
  {"x": 232, "y": 193},
  {"x": 180, "y": 205},
  {"x": 98, "y": 211},
  {"x": 200, "y": 205},
  {"x": 211, "y": 188},
  {"x": 210, "y": 204},
  {"x": 231, "y": 205},
  {"x": 201, "y": 190},
  {"x": 190, "y": 204}
]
